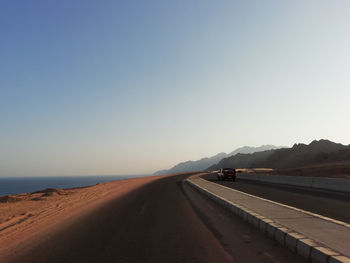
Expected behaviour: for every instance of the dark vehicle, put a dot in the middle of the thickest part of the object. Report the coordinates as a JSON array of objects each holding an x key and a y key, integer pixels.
[{"x": 227, "y": 174}]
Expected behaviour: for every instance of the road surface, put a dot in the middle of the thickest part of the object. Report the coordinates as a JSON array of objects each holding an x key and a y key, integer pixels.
[
  {"x": 332, "y": 204},
  {"x": 163, "y": 221}
]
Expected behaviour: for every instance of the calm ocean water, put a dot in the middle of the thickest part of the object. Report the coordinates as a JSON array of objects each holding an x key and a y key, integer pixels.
[{"x": 17, "y": 185}]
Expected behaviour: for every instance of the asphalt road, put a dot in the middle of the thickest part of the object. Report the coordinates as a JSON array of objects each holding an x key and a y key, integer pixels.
[
  {"x": 164, "y": 221},
  {"x": 332, "y": 204}
]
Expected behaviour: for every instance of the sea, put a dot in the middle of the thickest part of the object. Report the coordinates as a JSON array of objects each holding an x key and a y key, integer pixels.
[{"x": 18, "y": 185}]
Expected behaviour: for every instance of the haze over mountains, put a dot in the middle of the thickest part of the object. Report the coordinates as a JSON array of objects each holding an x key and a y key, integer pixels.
[
  {"x": 206, "y": 162},
  {"x": 319, "y": 158},
  {"x": 317, "y": 153}
]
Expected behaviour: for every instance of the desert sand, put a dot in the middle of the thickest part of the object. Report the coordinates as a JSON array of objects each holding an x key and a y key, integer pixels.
[{"x": 23, "y": 216}]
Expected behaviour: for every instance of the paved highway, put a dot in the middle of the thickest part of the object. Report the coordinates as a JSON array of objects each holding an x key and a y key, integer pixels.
[
  {"x": 163, "y": 221},
  {"x": 332, "y": 204}
]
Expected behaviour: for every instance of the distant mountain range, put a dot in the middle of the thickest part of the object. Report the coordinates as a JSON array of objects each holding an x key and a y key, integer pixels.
[
  {"x": 204, "y": 163},
  {"x": 300, "y": 155}
]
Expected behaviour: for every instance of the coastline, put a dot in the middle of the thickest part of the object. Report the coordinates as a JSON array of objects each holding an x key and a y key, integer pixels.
[
  {"x": 29, "y": 184},
  {"x": 28, "y": 217}
]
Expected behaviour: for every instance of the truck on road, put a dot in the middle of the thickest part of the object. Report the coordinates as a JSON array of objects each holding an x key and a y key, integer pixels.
[{"x": 227, "y": 174}]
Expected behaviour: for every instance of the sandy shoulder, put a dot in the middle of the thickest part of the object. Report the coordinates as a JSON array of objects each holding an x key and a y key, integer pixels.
[{"x": 24, "y": 216}]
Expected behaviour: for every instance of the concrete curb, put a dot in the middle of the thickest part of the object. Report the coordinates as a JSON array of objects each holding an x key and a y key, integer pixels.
[
  {"x": 297, "y": 243},
  {"x": 291, "y": 207}
]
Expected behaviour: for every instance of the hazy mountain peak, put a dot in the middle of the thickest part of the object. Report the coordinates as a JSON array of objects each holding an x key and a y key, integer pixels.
[
  {"x": 249, "y": 149},
  {"x": 205, "y": 162}
]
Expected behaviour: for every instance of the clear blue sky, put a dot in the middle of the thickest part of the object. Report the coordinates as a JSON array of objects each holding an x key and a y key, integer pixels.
[{"x": 116, "y": 87}]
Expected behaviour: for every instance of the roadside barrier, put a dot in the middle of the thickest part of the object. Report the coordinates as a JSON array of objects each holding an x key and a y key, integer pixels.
[
  {"x": 334, "y": 184},
  {"x": 296, "y": 242}
]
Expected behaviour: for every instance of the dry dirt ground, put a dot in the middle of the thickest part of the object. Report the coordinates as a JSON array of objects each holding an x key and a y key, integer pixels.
[{"x": 155, "y": 219}]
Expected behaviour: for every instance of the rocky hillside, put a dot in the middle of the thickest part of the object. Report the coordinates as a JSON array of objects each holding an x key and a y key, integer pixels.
[{"x": 317, "y": 152}]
